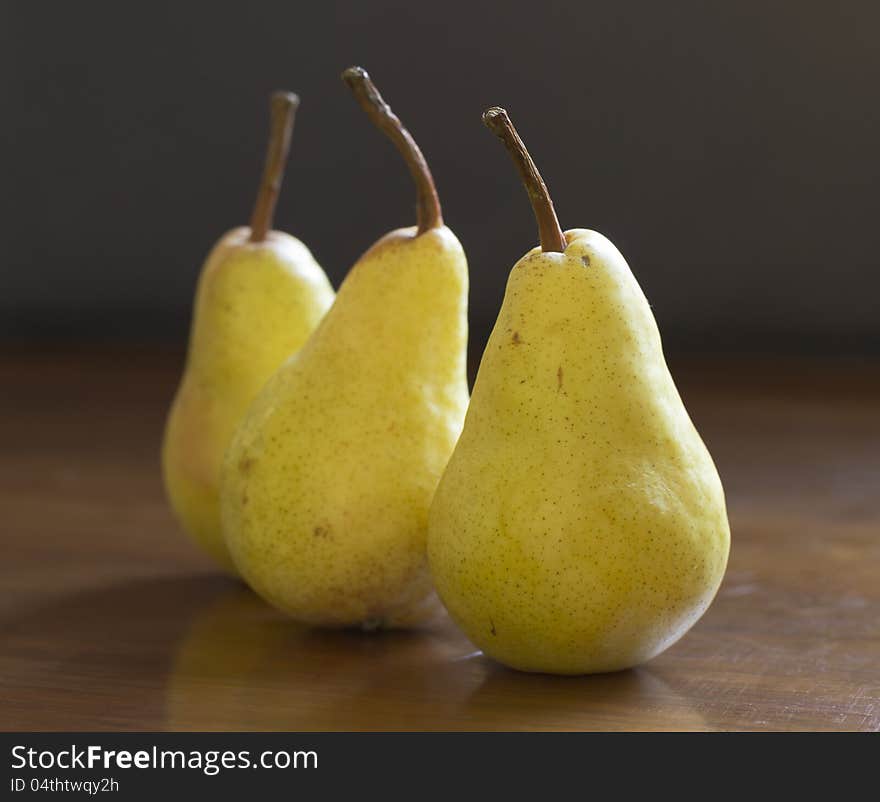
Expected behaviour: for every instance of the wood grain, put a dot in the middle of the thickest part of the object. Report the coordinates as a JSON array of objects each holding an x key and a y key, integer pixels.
[{"x": 110, "y": 620}]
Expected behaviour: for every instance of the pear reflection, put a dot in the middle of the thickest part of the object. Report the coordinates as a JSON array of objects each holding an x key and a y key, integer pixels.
[
  {"x": 204, "y": 653},
  {"x": 242, "y": 665},
  {"x": 636, "y": 699}
]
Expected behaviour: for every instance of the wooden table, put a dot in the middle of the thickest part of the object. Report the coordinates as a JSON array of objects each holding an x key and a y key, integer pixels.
[{"x": 109, "y": 619}]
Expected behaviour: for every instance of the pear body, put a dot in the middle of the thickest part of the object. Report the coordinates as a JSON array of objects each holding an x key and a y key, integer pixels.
[
  {"x": 255, "y": 305},
  {"x": 327, "y": 484},
  {"x": 580, "y": 526}
]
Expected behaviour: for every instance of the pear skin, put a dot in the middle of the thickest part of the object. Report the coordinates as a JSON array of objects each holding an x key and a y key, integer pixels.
[
  {"x": 259, "y": 296},
  {"x": 580, "y": 525},
  {"x": 327, "y": 484}
]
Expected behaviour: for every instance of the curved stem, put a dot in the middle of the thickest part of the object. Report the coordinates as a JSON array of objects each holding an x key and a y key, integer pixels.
[
  {"x": 552, "y": 238},
  {"x": 283, "y": 107},
  {"x": 428, "y": 212}
]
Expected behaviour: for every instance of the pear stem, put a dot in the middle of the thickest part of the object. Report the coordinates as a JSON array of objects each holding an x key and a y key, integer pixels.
[
  {"x": 552, "y": 238},
  {"x": 283, "y": 106},
  {"x": 428, "y": 212}
]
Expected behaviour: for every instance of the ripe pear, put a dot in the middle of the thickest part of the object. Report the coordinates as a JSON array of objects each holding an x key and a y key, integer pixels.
[
  {"x": 327, "y": 484},
  {"x": 259, "y": 296},
  {"x": 580, "y": 525}
]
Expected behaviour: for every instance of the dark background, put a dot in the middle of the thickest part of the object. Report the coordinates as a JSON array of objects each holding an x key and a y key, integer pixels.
[{"x": 730, "y": 150}]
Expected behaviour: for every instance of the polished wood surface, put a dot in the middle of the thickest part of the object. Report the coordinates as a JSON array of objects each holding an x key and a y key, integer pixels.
[{"x": 110, "y": 620}]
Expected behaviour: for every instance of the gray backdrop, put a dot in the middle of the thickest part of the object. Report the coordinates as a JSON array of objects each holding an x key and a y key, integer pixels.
[{"x": 729, "y": 149}]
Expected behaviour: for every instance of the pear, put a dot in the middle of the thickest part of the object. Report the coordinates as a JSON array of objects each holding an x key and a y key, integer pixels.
[
  {"x": 327, "y": 484},
  {"x": 580, "y": 525},
  {"x": 260, "y": 295}
]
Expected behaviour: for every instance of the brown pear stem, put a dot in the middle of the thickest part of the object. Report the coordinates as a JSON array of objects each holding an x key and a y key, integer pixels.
[
  {"x": 283, "y": 106},
  {"x": 428, "y": 212},
  {"x": 552, "y": 238}
]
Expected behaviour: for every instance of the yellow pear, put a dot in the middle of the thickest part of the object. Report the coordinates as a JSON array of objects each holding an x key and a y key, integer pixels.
[
  {"x": 260, "y": 295},
  {"x": 327, "y": 484},
  {"x": 580, "y": 525}
]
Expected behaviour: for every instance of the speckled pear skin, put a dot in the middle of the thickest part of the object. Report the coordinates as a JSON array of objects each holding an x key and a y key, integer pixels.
[
  {"x": 580, "y": 526},
  {"x": 256, "y": 304},
  {"x": 327, "y": 485}
]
